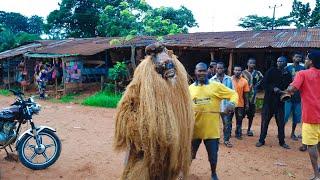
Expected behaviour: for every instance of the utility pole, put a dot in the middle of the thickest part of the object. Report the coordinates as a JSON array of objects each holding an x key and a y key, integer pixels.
[
  {"x": 212, "y": 20},
  {"x": 274, "y": 14}
]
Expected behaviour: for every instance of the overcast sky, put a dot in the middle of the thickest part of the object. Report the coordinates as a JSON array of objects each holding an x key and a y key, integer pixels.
[{"x": 211, "y": 15}]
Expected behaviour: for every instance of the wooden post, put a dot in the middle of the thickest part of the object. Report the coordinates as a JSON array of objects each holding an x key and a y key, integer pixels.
[
  {"x": 8, "y": 73},
  {"x": 132, "y": 59},
  {"x": 212, "y": 55},
  {"x": 230, "y": 63},
  {"x": 101, "y": 82},
  {"x": 63, "y": 75},
  {"x": 106, "y": 64}
]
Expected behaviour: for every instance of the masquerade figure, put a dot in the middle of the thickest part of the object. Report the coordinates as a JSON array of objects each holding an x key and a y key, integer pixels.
[{"x": 154, "y": 119}]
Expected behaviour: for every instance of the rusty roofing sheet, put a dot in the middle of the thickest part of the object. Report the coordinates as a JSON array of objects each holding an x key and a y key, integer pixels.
[
  {"x": 86, "y": 46},
  {"x": 309, "y": 38},
  {"x": 239, "y": 39},
  {"x": 19, "y": 50}
]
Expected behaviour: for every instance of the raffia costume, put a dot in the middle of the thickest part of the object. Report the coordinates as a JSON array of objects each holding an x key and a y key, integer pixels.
[{"x": 154, "y": 122}]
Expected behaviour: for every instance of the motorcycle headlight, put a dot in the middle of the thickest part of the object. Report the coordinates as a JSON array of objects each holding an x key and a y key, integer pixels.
[{"x": 36, "y": 108}]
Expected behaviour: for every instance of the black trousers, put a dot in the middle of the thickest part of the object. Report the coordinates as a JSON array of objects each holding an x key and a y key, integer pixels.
[
  {"x": 239, "y": 113},
  {"x": 268, "y": 111},
  {"x": 212, "y": 146},
  {"x": 250, "y": 114}
]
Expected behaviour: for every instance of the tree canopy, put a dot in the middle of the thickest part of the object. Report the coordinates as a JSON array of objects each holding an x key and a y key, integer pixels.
[
  {"x": 16, "y": 29},
  {"x": 89, "y": 18},
  {"x": 301, "y": 16}
]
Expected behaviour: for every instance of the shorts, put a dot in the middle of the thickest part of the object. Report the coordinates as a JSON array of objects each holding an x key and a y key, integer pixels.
[
  {"x": 212, "y": 146},
  {"x": 310, "y": 134},
  {"x": 295, "y": 109}
]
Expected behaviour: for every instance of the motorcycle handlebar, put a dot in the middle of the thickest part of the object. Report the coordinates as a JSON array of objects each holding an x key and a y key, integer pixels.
[{"x": 17, "y": 93}]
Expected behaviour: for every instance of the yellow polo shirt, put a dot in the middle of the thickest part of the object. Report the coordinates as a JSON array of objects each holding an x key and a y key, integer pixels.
[{"x": 206, "y": 105}]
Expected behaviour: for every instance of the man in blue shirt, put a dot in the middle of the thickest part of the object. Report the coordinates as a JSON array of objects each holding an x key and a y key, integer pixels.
[
  {"x": 226, "y": 80},
  {"x": 294, "y": 104}
]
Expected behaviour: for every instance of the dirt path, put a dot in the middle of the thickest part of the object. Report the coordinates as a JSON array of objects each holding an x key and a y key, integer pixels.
[{"x": 87, "y": 132}]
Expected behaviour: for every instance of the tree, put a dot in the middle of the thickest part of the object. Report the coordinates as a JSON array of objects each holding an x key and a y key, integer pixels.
[
  {"x": 158, "y": 26},
  {"x": 300, "y": 14},
  {"x": 7, "y": 40},
  {"x": 15, "y": 22},
  {"x": 123, "y": 19},
  {"x": 35, "y": 25},
  {"x": 182, "y": 17},
  {"x": 255, "y": 22},
  {"x": 315, "y": 15},
  {"x": 139, "y": 18},
  {"x": 89, "y": 18},
  {"x": 75, "y": 18}
]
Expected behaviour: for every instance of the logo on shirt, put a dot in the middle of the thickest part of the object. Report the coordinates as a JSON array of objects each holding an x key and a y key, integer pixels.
[{"x": 201, "y": 101}]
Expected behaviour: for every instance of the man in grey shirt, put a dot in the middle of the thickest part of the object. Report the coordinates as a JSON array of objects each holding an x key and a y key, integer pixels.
[{"x": 221, "y": 77}]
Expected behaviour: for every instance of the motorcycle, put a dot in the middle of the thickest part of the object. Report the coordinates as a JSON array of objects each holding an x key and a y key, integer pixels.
[{"x": 38, "y": 147}]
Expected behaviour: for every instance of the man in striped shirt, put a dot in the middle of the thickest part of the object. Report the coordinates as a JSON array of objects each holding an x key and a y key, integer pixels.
[{"x": 226, "y": 80}]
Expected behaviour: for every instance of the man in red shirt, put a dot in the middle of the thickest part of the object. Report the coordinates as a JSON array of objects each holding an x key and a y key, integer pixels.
[{"x": 308, "y": 83}]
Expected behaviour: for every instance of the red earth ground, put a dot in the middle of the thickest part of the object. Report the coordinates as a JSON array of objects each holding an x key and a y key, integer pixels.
[{"x": 87, "y": 132}]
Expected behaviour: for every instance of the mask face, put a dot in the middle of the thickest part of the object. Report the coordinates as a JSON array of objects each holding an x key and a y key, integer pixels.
[{"x": 164, "y": 65}]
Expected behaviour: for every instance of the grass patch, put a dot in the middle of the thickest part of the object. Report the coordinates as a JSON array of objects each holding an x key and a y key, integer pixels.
[
  {"x": 4, "y": 92},
  {"x": 259, "y": 104},
  {"x": 67, "y": 99},
  {"x": 103, "y": 99}
]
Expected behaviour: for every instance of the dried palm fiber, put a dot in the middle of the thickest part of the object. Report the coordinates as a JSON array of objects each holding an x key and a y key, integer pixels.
[{"x": 154, "y": 120}]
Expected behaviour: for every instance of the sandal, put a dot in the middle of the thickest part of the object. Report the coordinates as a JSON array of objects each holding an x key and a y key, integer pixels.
[
  {"x": 303, "y": 148},
  {"x": 228, "y": 144}
]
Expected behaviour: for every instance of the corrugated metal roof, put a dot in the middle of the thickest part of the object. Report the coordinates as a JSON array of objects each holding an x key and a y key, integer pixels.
[
  {"x": 86, "y": 46},
  {"x": 241, "y": 39},
  {"x": 309, "y": 38},
  {"x": 19, "y": 50}
]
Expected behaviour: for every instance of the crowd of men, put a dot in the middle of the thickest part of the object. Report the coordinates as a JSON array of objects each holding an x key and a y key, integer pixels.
[{"x": 238, "y": 98}]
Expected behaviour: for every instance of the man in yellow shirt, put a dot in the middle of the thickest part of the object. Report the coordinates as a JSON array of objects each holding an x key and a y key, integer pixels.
[{"x": 206, "y": 99}]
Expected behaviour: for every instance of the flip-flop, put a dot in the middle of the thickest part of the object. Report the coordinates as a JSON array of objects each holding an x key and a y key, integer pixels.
[
  {"x": 303, "y": 148},
  {"x": 228, "y": 144}
]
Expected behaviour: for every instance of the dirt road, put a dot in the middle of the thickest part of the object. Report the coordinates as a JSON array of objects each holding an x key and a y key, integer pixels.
[{"x": 86, "y": 135}]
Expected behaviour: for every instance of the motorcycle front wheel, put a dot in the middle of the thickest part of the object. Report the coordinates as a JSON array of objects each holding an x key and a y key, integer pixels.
[{"x": 42, "y": 156}]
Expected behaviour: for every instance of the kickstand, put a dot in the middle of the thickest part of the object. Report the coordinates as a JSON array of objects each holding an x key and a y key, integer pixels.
[
  {"x": 10, "y": 148},
  {"x": 10, "y": 157},
  {"x": 6, "y": 152}
]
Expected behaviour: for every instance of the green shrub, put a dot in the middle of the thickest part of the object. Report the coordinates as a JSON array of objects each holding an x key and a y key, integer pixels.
[
  {"x": 103, "y": 99},
  {"x": 259, "y": 104},
  {"x": 4, "y": 92}
]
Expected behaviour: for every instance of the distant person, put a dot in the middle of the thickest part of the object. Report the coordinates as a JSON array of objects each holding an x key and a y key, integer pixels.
[
  {"x": 307, "y": 82},
  {"x": 242, "y": 88},
  {"x": 254, "y": 78},
  {"x": 275, "y": 81},
  {"x": 42, "y": 82},
  {"x": 226, "y": 80},
  {"x": 212, "y": 69}
]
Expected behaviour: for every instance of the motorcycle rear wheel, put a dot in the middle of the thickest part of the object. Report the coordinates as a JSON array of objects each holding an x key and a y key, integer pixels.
[{"x": 27, "y": 142}]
